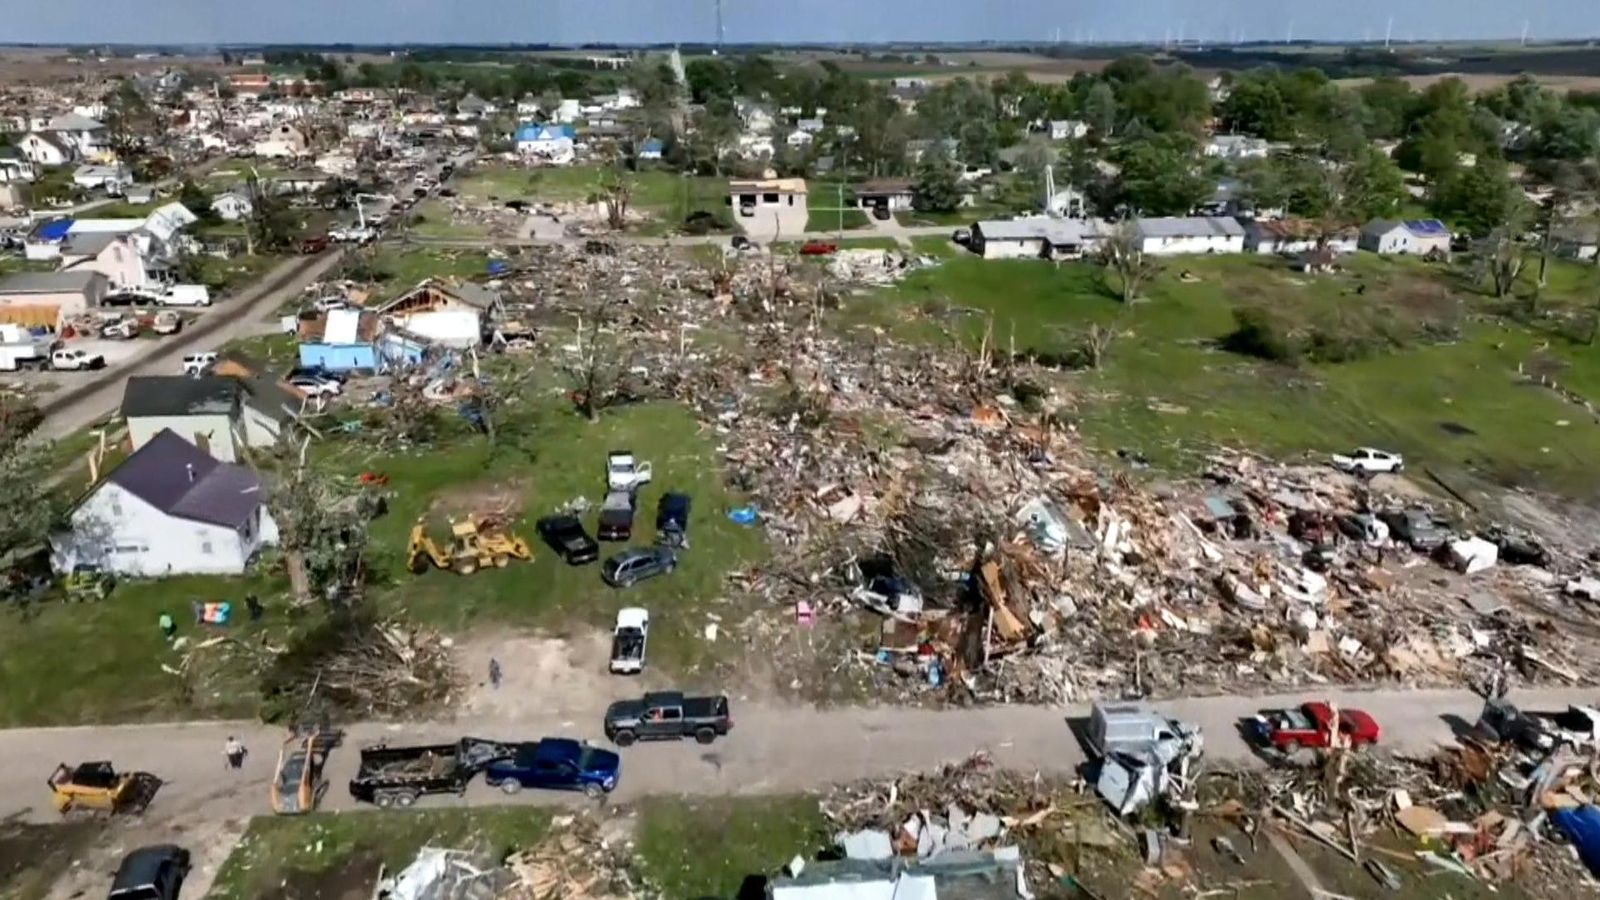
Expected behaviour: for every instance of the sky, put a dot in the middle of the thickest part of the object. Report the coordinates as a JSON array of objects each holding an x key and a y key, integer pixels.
[{"x": 668, "y": 21}]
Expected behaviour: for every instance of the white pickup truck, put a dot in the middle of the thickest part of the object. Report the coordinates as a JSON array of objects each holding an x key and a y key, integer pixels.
[
  {"x": 624, "y": 473},
  {"x": 1368, "y": 461},
  {"x": 76, "y": 361},
  {"x": 628, "y": 640}
]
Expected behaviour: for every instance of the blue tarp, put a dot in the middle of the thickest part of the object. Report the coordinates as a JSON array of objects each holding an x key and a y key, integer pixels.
[
  {"x": 498, "y": 267},
  {"x": 53, "y": 231},
  {"x": 1582, "y": 827}
]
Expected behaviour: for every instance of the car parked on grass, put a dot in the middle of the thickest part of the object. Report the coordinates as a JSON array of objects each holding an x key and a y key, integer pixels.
[
  {"x": 672, "y": 520},
  {"x": 818, "y": 248},
  {"x": 566, "y": 536},
  {"x": 636, "y": 564},
  {"x": 151, "y": 873},
  {"x": 557, "y": 764},
  {"x": 1312, "y": 725},
  {"x": 1369, "y": 461},
  {"x": 616, "y": 515}
]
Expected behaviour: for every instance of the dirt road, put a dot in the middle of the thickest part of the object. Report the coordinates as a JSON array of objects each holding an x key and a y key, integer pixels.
[
  {"x": 771, "y": 749},
  {"x": 88, "y": 399}
]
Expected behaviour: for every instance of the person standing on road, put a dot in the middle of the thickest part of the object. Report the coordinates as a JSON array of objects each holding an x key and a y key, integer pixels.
[
  {"x": 494, "y": 672},
  {"x": 234, "y": 751}
]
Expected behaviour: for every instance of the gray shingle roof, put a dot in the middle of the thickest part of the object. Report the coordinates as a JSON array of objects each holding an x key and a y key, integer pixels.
[
  {"x": 181, "y": 480},
  {"x": 48, "y": 282},
  {"x": 179, "y": 395},
  {"x": 1189, "y": 226}
]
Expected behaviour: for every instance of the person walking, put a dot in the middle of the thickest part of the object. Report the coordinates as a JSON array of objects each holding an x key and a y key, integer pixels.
[
  {"x": 168, "y": 627},
  {"x": 494, "y": 672},
  {"x": 234, "y": 752}
]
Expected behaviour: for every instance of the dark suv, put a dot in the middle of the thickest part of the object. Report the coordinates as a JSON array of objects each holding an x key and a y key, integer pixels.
[{"x": 151, "y": 873}]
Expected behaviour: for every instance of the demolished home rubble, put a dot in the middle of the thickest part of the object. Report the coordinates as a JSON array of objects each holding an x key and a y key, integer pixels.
[
  {"x": 1036, "y": 573},
  {"x": 573, "y": 860}
]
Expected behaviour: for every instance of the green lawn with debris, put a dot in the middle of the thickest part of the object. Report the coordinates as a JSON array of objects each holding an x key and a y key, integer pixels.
[
  {"x": 707, "y": 847},
  {"x": 433, "y": 218},
  {"x": 396, "y": 268},
  {"x": 338, "y": 855},
  {"x": 1167, "y": 390},
  {"x": 667, "y": 197},
  {"x": 833, "y": 219},
  {"x": 545, "y": 457}
]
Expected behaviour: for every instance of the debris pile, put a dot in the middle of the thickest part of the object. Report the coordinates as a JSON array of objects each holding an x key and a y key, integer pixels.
[
  {"x": 574, "y": 860},
  {"x": 1012, "y": 565},
  {"x": 362, "y": 668}
]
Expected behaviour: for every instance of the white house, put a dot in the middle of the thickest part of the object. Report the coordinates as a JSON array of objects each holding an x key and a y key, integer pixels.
[
  {"x": 1414, "y": 237},
  {"x": 85, "y": 135},
  {"x": 798, "y": 138},
  {"x": 232, "y": 206},
  {"x": 46, "y": 149},
  {"x": 16, "y": 170},
  {"x": 554, "y": 144},
  {"x": 1068, "y": 129},
  {"x": 755, "y": 146},
  {"x": 450, "y": 315},
  {"x": 126, "y": 260},
  {"x": 568, "y": 111},
  {"x": 1191, "y": 234},
  {"x": 1236, "y": 146},
  {"x": 204, "y": 411},
  {"x": 1038, "y": 237},
  {"x": 168, "y": 509},
  {"x": 283, "y": 141}
]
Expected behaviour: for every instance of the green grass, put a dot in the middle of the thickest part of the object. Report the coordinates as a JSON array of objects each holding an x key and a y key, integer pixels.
[
  {"x": 829, "y": 219},
  {"x": 405, "y": 266},
  {"x": 282, "y": 856},
  {"x": 433, "y": 218},
  {"x": 547, "y": 457},
  {"x": 937, "y": 246},
  {"x": 88, "y": 663},
  {"x": 236, "y": 272},
  {"x": 955, "y": 218},
  {"x": 124, "y": 210},
  {"x": 1167, "y": 392},
  {"x": 705, "y": 847}
]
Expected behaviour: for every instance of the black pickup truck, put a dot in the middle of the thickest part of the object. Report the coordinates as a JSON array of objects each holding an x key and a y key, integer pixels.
[
  {"x": 397, "y": 776},
  {"x": 667, "y": 716}
]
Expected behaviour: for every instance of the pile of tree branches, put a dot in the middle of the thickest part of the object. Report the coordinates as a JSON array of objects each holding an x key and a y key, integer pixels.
[{"x": 357, "y": 665}]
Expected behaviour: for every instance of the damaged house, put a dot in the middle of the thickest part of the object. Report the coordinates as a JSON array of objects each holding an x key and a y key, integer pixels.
[
  {"x": 353, "y": 340},
  {"x": 169, "y": 509},
  {"x": 450, "y": 315}
]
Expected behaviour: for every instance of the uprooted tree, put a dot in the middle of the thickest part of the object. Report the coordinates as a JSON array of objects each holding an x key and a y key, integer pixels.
[
  {"x": 322, "y": 532},
  {"x": 1123, "y": 255}
]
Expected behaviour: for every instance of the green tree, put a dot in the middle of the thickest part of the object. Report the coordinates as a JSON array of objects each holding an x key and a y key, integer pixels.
[
  {"x": 938, "y": 185},
  {"x": 1255, "y": 106},
  {"x": 196, "y": 200},
  {"x": 1478, "y": 199},
  {"x": 1370, "y": 186},
  {"x": 1388, "y": 101},
  {"x": 710, "y": 78},
  {"x": 1100, "y": 110},
  {"x": 27, "y": 505},
  {"x": 1162, "y": 177}
]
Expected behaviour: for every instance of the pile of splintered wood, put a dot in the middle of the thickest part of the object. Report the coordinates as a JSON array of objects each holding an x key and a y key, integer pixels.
[
  {"x": 573, "y": 861},
  {"x": 379, "y": 669}
]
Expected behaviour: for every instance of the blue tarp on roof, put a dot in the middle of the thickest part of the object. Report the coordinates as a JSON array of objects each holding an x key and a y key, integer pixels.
[
  {"x": 54, "y": 231},
  {"x": 1582, "y": 827},
  {"x": 545, "y": 132}
]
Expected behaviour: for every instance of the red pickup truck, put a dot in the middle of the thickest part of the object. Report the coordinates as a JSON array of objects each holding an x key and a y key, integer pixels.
[
  {"x": 1308, "y": 725},
  {"x": 818, "y": 248}
]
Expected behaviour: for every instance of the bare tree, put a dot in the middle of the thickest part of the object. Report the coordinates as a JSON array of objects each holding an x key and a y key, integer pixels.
[
  {"x": 597, "y": 371},
  {"x": 1089, "y": 345},
  {"x": 1502, "y": 261},
  {"x": 614, "y": 192},
  {"x": 1123, "y": 254}
]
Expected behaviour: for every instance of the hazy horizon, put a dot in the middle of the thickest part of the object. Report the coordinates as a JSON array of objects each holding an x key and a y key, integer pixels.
[{"x": 791, "y": 21}]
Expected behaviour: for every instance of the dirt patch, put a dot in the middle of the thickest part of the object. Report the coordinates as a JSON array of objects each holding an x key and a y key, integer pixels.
[
  {"x": 97, "y": 853},
  {"x": 566, "y": 673},
  {"x": 34, "y": 857},
  {"x": 500, "y": 499}
]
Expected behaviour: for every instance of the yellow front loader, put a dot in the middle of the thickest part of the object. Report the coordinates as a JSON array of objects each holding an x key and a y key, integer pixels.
[{"x": 471, "y": 548}]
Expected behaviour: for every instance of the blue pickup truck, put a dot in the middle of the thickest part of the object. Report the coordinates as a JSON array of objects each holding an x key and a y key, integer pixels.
[{"x": 559, "y": 764}]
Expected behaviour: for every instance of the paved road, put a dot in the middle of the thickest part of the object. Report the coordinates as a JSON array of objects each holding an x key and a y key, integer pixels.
[
  {"x": 87, "y": 398},
  {"x": 771, "y": 750}
]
